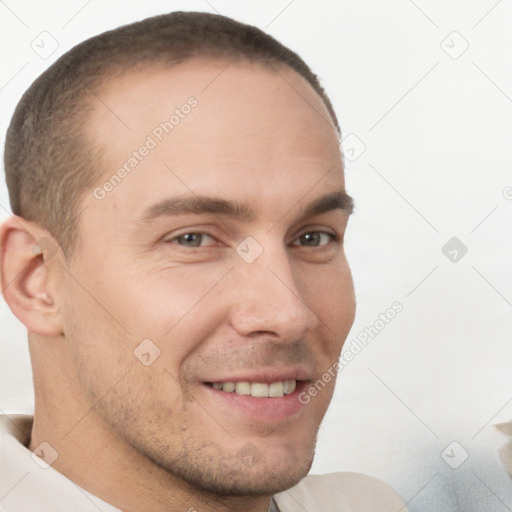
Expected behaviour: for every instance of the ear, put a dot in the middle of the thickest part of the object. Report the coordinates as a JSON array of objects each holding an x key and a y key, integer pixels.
[{"x": 29, "y": 264}]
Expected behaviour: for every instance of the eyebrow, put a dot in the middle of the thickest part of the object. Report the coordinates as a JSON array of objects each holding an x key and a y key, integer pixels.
[
  {"x": 338, "y": 200},
  {"x": 198, "y": 205},
  {"x": 334, "y": 201}
]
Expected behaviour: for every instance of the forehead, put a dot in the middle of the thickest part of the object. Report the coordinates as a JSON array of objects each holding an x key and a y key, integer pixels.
[{"x": 212, "y": 127}]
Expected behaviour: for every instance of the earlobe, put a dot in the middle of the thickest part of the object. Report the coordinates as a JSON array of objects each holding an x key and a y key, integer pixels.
[{"x": 29, "y": 261}]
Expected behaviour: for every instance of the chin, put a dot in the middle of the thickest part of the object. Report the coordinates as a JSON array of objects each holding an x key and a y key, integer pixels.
[
  {"x": 240, "y": 468},
  {"x": 250, "y": 478}
]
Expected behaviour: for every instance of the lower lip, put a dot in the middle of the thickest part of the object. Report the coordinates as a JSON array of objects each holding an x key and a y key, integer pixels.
[{"x": 267, "y": 410}]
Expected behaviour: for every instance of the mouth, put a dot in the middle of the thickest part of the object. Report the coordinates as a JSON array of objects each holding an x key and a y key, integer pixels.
[
  {"x": 264, "y": 396},
  {"x": 269, "y": 402},
  {"x": 274, "y": 389}
]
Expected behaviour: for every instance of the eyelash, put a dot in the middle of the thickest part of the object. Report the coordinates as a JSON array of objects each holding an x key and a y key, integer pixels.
[
  {"x": 174, "y": 240},
  {"x": 333, "y": 237}
]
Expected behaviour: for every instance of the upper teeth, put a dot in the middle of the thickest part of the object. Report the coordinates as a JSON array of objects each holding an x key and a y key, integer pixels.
[{"x": 258, "y": 389}]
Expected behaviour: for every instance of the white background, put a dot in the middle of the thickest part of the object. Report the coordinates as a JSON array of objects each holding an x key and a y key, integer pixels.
[{"x": 436, "y": 129}]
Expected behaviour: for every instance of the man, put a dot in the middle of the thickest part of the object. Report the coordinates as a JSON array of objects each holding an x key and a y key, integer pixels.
[{"x": 176, "y": 254}]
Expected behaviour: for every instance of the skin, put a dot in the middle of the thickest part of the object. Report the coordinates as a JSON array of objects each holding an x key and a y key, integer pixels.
[{"x": 157, "y": 437}]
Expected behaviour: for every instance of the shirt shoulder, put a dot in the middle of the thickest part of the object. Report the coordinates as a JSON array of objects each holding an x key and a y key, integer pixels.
[
  {"x": 343, "y": 492},
  {"x": 26, "y": 485}
]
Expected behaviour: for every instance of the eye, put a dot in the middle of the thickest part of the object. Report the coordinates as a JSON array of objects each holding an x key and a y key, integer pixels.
[
  {"x": 315, "y": 239},
  {"x": 193, "y": 240}
]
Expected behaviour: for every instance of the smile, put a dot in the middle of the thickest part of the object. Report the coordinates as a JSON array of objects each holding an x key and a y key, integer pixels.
[{"x": 257, "y": 389}]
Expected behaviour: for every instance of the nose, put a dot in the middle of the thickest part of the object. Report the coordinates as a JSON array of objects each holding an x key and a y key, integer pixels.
[{"x": 268, "y": 299}]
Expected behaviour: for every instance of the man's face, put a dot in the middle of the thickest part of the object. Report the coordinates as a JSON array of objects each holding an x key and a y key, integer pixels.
[{"x": 223, "y": 247}]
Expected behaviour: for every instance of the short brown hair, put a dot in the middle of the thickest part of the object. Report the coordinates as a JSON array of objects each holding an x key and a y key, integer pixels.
[{"x": 50, "y": 164}]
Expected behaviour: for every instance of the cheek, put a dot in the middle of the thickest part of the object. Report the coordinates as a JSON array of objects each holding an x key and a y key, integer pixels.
[
  {"x": 95, "y": 352},
  {"x": 118, "y": 372},
  {"x": 177, "y": 307},
  {"x": 114, "y": 319},
  {"x": 153, "y": 298},
  {"x": 328, "y": 290}
]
